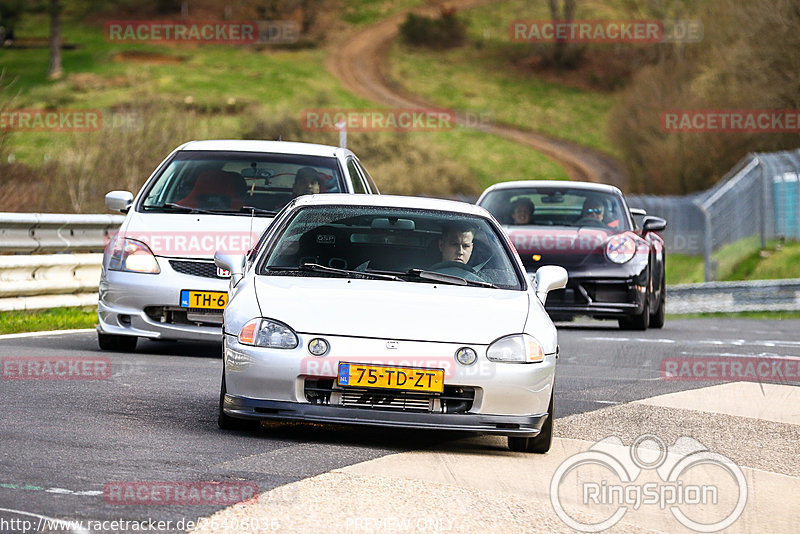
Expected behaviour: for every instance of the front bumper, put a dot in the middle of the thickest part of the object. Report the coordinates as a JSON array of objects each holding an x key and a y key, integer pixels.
[
  {"x": 508, "y": 425},
  {"x": 501, "y": 398},
  {"x": 598, "y": 297},
  {"x": 148, "y": 305}
]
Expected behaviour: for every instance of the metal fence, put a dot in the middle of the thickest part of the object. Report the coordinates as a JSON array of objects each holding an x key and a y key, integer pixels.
[
  {"x": 759, "y": 197},
  {"x": 51, "y": 260}
]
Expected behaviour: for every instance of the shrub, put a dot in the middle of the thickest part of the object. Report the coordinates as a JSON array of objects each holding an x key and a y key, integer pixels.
[{"x": 447, "y": 31}]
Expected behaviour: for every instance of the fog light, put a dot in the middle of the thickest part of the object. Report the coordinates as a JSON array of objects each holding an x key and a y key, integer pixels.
[
  {"x": 125, "y": 320},
  {"x": 466, "y": 356},
  {"x": 318, "y": 347}
]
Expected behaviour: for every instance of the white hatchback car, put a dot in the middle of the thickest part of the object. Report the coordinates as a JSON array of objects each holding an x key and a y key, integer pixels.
[
  {"x": 158, "y": 279},
  {"x": 392, "y": 311}
]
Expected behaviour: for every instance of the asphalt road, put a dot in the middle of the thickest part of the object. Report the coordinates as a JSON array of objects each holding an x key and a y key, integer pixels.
[{"x": 154, "y": 418}]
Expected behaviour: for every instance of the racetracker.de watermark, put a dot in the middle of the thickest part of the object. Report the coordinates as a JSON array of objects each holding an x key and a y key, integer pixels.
[
  {"x": 702, "y": 490},
  {"x": 731, "y": 120},
  {"x": 376, "y": 120},
  {"x": 54, "y": 368},
  {"x": 51, "y": 120},
  {"x": 725, "y": 368},
  {"x": 193, "y": 243},
  {"x": 179, "y": 493},
  {"x": 210, "y": 32},
  {"x": 605, "y": 31}
]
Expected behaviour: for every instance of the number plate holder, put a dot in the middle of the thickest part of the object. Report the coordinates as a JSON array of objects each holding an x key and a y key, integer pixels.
[
  {"x": 390, "y": 377},
  {"x": 210, "y": 300}
]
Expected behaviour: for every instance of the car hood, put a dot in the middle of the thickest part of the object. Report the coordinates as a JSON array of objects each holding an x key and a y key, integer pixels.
[
  {"x": 565, "y": 246},
  {"x": 392, "y": 310},
  {"x": 194, "y": 235}
]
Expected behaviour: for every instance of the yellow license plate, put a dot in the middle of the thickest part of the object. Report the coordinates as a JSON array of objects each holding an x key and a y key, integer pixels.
[
  {"x": 214, "y": 300},
  {"x": 376, "y": 376}
]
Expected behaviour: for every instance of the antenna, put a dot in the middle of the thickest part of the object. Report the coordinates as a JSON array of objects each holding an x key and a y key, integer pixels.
[{"x": 250, "y": 234}]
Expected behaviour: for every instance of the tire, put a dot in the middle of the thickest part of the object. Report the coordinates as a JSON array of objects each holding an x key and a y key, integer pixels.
[
  {"x": 657, "y": 318},
  {"x": 538, "y": 444},
  {"x": 639, "y": 321},
  {"x": 225, "y": 421},
  {"x": 117, "y": 343}
]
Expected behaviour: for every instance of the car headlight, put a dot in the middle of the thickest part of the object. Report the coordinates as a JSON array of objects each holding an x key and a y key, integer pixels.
[
  {"x": 132, "y": 256},
  {"x": 620, "y": 249},
  {"x": 268, "y": 333},
  {"x": 519, "y": 348}
]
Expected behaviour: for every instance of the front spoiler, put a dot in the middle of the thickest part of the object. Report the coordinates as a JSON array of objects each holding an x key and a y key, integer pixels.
[{"x": 507, "y": 425}]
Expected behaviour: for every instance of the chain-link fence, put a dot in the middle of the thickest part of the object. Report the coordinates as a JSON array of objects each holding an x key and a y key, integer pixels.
[{"x": 759, "y": 197}]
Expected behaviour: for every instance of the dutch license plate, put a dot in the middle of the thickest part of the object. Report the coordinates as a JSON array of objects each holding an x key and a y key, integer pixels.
[
  {"x": 377, "y": 376},
  {"x": 213, "y": 300}
]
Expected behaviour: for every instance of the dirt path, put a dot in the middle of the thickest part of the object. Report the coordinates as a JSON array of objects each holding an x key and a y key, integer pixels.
[{"x": 360, "y": 63}]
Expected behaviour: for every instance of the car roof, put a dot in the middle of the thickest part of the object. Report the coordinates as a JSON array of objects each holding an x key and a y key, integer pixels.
[
  {"x": 589, "y": 186},
  {"x": 273, "y": 147},
  {"x": 392, "y": 201}
]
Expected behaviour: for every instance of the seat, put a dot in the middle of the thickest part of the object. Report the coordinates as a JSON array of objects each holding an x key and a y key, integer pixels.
[
  {"x": 325, "y": 245},
  {"x": 220, "y": 190}
]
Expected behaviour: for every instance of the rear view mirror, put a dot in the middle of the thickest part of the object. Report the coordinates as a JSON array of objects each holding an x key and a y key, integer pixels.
[
  {"x": 234, "y": 263},
  {"x": 119, "y": 201},
  {"x": 548, "y": 278},
  {"x": 653, "y": 224}
]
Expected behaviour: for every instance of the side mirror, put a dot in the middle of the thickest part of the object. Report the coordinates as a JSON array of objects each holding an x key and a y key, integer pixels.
[
  {"x": 119, "y": 201},
  {"x": 653, "y": 224},
  {"x": 231, "y": 262},
  {"x": 548, "y": 278}
]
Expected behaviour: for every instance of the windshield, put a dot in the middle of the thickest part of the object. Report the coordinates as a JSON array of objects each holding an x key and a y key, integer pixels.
[
  {"x": 410, "y": 245},
  {"x": 239, "y": 182},
  {"x": 557, "y": 207}
]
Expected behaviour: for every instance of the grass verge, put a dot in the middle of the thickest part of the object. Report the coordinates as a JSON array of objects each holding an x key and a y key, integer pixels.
[
  {"x": 482, "y": 77},
  {"x": 773, "y": 315},
  {"x": 53, "y": 319}
]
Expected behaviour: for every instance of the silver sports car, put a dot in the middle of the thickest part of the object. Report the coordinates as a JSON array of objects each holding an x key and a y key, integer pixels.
[
  {"x": 393, "y": 311},
  {"x": 158, "y": 279}
]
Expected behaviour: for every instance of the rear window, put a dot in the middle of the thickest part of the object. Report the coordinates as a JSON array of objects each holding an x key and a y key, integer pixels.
[{"x": 233, "y": 182}]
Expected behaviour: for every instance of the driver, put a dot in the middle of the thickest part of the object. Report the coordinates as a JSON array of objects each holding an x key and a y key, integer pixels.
[
  {"x": 456, "y": 242},
  {"x": 306, "y": 182},
  {"x": 593, "y": 210}
]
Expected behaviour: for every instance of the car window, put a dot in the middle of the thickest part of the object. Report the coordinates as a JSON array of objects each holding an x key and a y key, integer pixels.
[
  {"x": 367, "y": 177},
  {"x": 227, "y": 182},
  {"x": 558, "y": 207},
  {"x": 391, "y": 240},
  {"x": 355, "y": 176}
]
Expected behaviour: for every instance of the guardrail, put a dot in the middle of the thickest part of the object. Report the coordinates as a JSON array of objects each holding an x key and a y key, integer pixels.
[
  {"x": 754, "y": 295},
  {"x": 32, "y": 278},
  {"x": 55, "y": 232}
]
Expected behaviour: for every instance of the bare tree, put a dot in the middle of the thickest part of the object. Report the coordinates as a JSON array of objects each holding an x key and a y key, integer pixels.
[
  {"x": 561, "y": 14},
  {"x": 55, "y": 71}
]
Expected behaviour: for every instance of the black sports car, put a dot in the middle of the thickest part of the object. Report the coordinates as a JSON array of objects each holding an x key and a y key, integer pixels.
[{"x": 616, "y": 268}]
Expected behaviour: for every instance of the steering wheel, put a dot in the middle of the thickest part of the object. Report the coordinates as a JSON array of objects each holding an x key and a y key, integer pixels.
[
  {"x": 446, "y": 265},
  {"x": 590, "y": 221}
]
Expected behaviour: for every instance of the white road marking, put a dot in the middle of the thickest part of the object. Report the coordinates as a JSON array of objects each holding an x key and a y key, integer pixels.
[
  {"x": 716, "y": 342},
  {"x": 47, "y": 333},
  {"x": 69, "y": 525},
  {"x": 63, "y": 491}
]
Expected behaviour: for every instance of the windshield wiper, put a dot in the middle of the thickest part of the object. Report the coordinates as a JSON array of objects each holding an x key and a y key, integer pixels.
[
  {"x": 317, "y": 268},
  {"x": 258, "y": 210},
  {"x": 447, "y": 278},
  {"x": 187, "y": 209}
]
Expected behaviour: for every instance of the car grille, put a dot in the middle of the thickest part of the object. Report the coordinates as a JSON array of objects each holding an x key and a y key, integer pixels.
[
  {"x": 454, "y": 399},
  {"x": 205, "y": 269}
]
